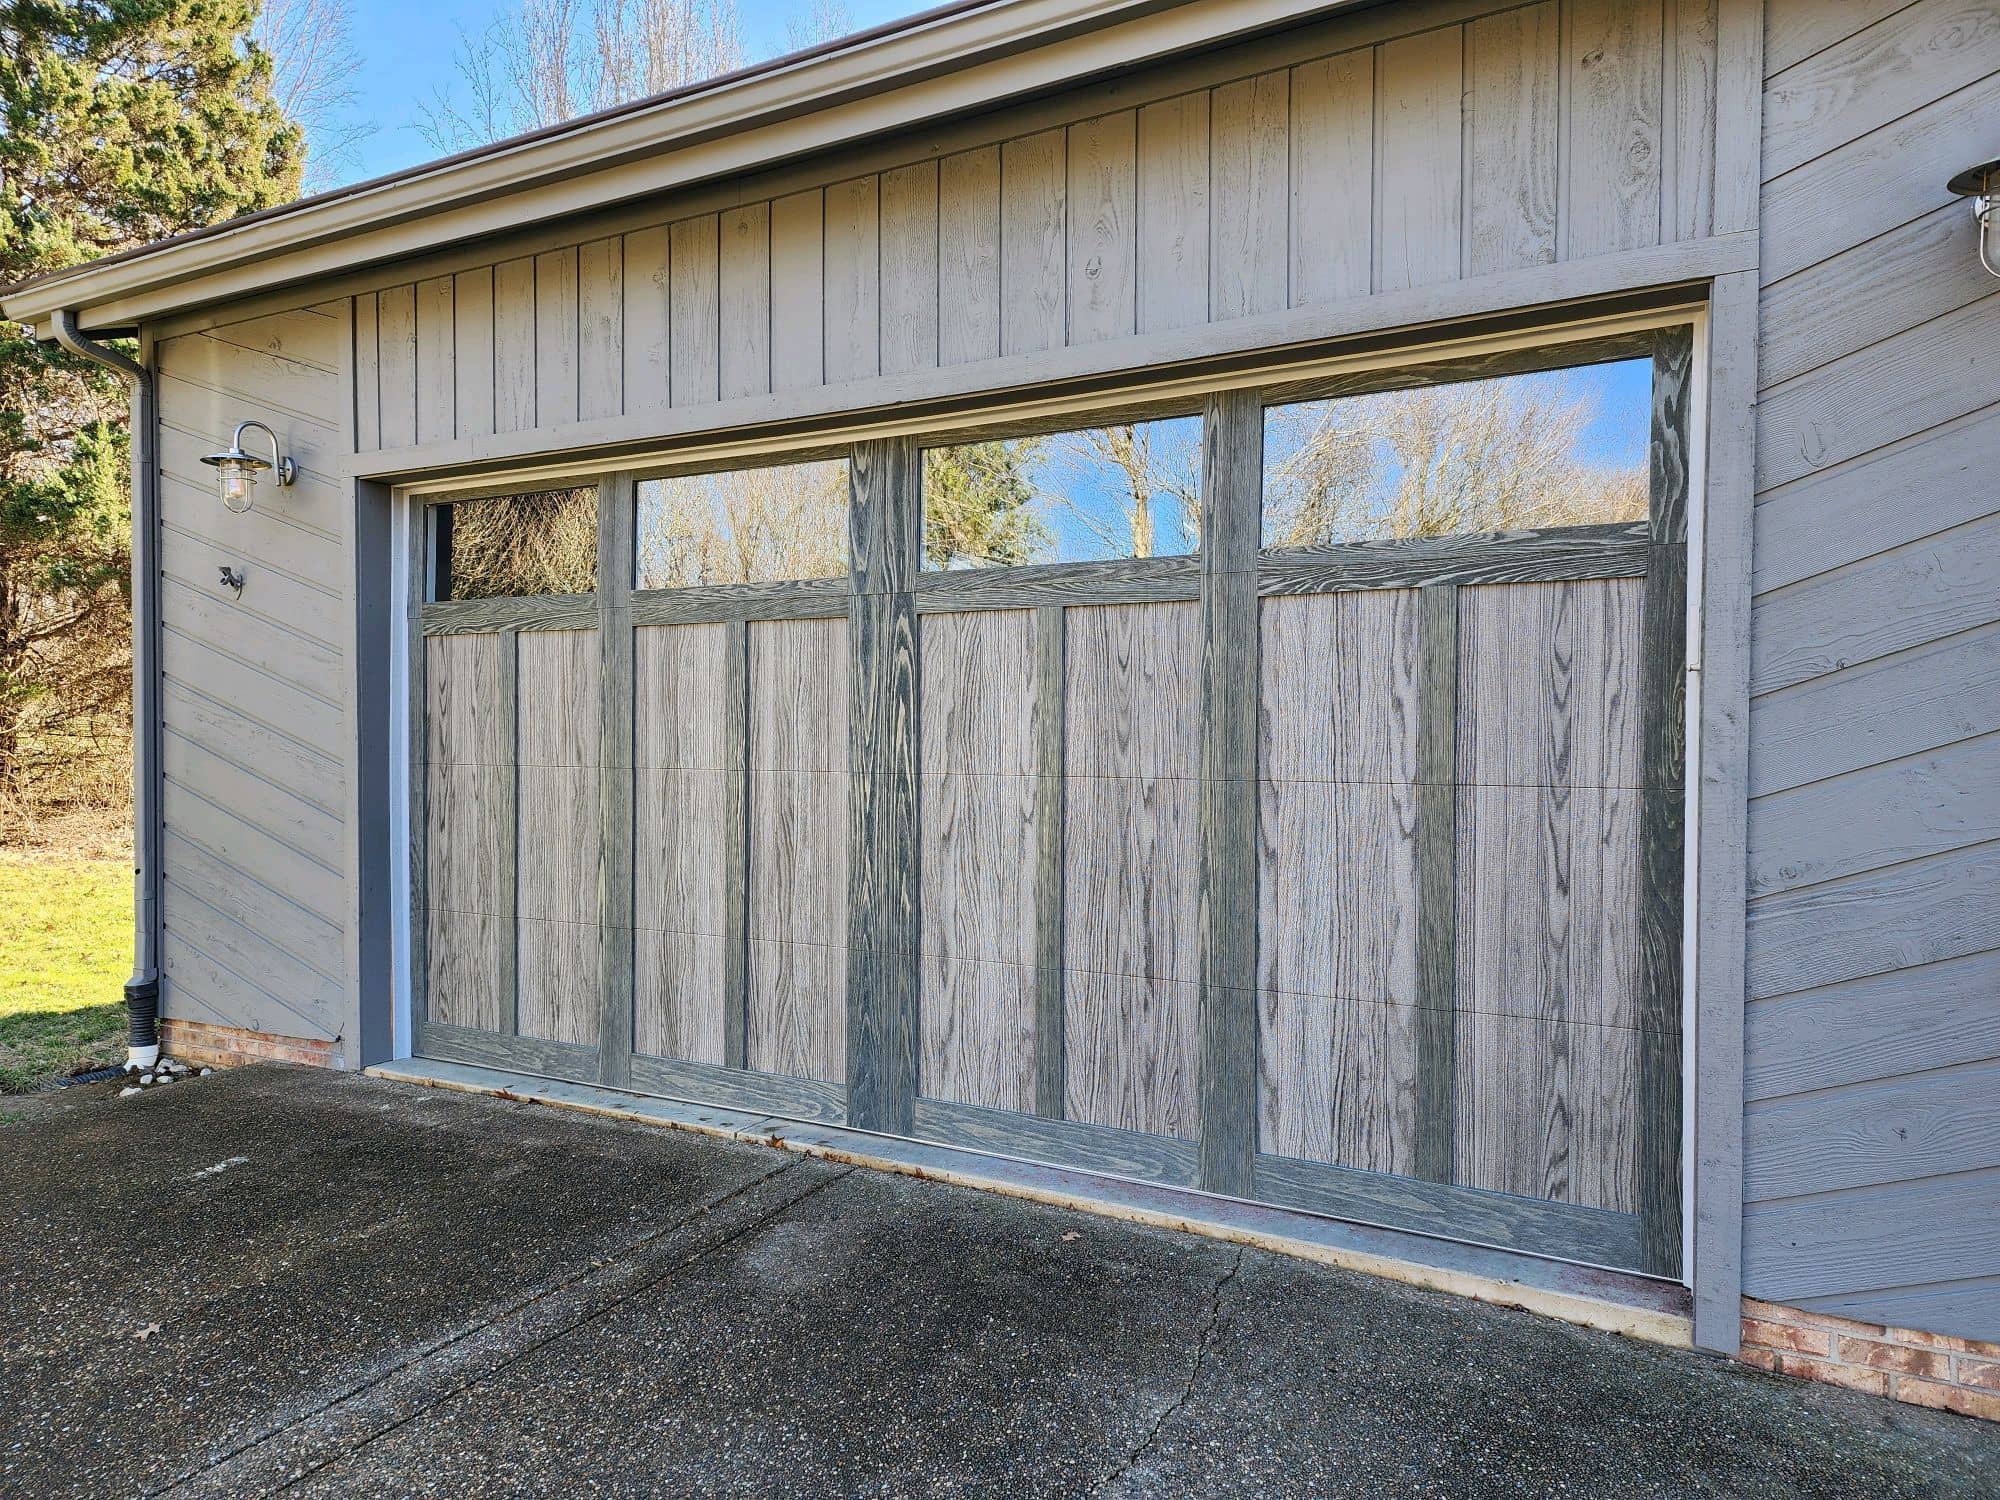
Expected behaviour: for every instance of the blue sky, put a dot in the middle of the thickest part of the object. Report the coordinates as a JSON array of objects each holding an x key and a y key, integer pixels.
[{"x": 406, "y": 52}]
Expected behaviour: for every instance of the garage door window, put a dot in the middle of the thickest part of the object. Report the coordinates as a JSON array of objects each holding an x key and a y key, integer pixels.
[
  {"x": 1088, "y": 494},
  {"x": 515, "y": 546},
  {"x": 1563, "y": 447},
  {"x": 782, "y": 523}
]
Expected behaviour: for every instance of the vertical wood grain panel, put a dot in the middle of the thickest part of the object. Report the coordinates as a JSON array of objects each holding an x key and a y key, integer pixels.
[
  {"x": 797, "y": 291},
  {"x": 601, "y": 329},
  {"x": 514, "y": 345},
  {"x": 646, "y": 328},
  {"x": 1232, "y": 471},
  {"x": 1418, "y": 84},
  {"x": 746, "y": 301},
  {"x": 798, "y": 792},
  {"x": 910, "y": 232},
  {"x": 1249, "y": 259},
  {"x": 1688, "y": 162},
  {"x": 1437, "y": 885},
  {"x": 1173, "y": 213},
  {"x": 437, "y": 399},
  {"x": 884, "y": 909},
  {"x": 1131, "y": 992},
  {"x": 397, "y": 341},
  {"x": 969, "y": 256},
  {"x": 1545, "y": 1109},
  {"x": 978, "y": 857},
  {"x": 616, "y": 544},
  {"x": 694, "y": 311},
  {"x": 1513, "y": 133},
  {"x": 472, "y": 355},
  {"x": 1339, "y": 1081},
  {"x": 853, "y": 279},
  {"x": 1033, "y": 218},
  {"x": 681, "y": 892},
  {"x": 1549, "y": 684},
  {"x": 468, "y": 811},
  {"x": 1611, "y": 188},
  {"x": 367, "y": 374},
  {"x": 1050, "y": 735},
  {"x": 1333, "y": 177},
  {"x": 1103, "y": 228},
  {"x": 557, "y": 730},
  {"x": 555, "y": 337}
]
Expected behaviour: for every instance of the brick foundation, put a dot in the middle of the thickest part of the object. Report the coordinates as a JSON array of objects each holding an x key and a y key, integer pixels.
[
  {"x": 207, "y": 1046},
  {"x": 1924, "y": 1369}
]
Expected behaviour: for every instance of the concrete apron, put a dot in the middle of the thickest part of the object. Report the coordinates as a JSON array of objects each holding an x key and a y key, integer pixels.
[{"x": 1588, "y": 1296}]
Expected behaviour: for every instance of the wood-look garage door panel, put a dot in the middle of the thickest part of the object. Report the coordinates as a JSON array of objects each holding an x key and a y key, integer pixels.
[
  {"x": 677, "y": 992},
  {"x": 558, "y": 980},
  {"x": 1338, "y": 690},
  {"x": 977, "y": 829},
  {"x": 978, "y": 1033},
  {"x": 1546, "y": 1109},
  {"x": 558, "y": 696},
  {"x": 1549, "y": 684},
  {"x": 797, "y": 1020},
  {"x": 1131, "y": 1046},
  {"x": 679, "y": 696},
  {"x": 1338, "y": 1081},
  {"x": 466, "y": 954},
  {"x": 465, "y": 708},
  {"x": 1548, "y": 903}
]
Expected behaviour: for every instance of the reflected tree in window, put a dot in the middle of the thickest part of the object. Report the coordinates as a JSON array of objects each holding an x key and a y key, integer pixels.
[
  {"x": 781, "y": 523},
  {"x": 1555, "y": 448},
  {"x": 978, "y": 505},
  {"x": 513, "y": 546}
]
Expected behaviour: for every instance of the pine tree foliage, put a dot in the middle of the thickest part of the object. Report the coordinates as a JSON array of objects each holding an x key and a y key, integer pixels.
[{"x": 121, "y": 121}]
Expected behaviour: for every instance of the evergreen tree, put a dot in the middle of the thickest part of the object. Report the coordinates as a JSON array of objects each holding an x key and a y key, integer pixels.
[
  {"x": 976, "y": 505},
  {"x": 121, "y": 121}
]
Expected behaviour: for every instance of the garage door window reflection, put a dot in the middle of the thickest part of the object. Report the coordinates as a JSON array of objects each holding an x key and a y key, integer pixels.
[
  {"x": 516, "y": 546},
  {"x": 782, "y": 523}
]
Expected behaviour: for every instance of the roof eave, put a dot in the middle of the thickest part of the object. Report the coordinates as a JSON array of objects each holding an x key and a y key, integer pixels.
[{"x": 874, "y": 82}]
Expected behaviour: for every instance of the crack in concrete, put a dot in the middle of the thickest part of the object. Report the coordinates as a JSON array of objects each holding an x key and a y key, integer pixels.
[
  {"x": 597, "y": 1269},
  {"x": 1172, "y": 1408}
]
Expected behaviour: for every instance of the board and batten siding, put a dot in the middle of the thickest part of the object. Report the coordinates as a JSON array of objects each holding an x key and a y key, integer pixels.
[
  {"x": 1872, "y": 1128},
  {"x": 1399, "y": 148},
  {"x": 254, "y": 886}
]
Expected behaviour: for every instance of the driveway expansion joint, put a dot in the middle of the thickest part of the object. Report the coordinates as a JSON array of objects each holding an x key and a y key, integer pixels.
[{"x": 597, "y": 1269}]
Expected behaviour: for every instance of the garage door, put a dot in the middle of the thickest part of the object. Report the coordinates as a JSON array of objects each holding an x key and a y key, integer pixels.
[{"x": 1275, "y": 792}]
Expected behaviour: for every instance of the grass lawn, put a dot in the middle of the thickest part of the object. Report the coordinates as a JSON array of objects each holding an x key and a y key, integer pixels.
[{"x": 65, "y": 954}]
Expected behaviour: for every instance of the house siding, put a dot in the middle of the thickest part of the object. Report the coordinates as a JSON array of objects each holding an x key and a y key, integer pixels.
[
  {"x": 1872, "y": 1026},
  {"x": 255, "y": 727},
  {"x": 1399, "y": 148}
]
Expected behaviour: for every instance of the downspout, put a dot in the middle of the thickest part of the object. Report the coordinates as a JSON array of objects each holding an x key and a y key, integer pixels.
[{"x": 142, "y": 990}]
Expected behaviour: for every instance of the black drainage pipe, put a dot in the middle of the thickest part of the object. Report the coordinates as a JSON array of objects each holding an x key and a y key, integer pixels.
[{"x": 142, "y": 991}]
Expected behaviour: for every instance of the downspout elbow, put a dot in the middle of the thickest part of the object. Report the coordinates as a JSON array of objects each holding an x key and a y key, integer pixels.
[{"x": 142, "y": 990}]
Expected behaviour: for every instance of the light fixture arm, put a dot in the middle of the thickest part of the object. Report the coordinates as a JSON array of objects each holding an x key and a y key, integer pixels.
[{"x": 281, "y": 464}]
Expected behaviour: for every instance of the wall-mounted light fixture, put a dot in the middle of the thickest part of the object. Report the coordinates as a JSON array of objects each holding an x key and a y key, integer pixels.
[
  {"x": 1982, "y": 185},
  {"x": 236, "y": 479}
]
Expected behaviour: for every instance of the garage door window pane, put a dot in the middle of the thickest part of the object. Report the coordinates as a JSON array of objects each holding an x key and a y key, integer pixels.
[
  {"x": 1093, "y": 494},
  {"x": 1516, "y": 452},
  {"x": 512, "y": 546},
  {"x": 785, "y": 523}
]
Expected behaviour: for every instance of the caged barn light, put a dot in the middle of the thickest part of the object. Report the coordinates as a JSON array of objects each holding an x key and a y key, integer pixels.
[
  {"x": 1982, "y": 185},
  {"x": 236, "y": 477}
]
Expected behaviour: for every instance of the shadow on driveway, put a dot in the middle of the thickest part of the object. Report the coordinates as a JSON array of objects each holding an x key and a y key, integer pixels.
[{"x": 367, "y": 1287}]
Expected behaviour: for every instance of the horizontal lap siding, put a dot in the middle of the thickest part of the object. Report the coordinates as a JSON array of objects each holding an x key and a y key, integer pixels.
[
  {"x": 1872, "y": 1136},
  {"x": 1491, "y": 139},
  {"x": 254, "y": 724}
]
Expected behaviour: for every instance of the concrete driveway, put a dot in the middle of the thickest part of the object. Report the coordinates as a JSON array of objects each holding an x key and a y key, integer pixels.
[{"x": 367, "y": 1287}]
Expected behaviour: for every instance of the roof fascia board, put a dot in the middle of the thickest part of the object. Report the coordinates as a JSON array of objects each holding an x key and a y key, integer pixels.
[{"x": 957, "y": 64}]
